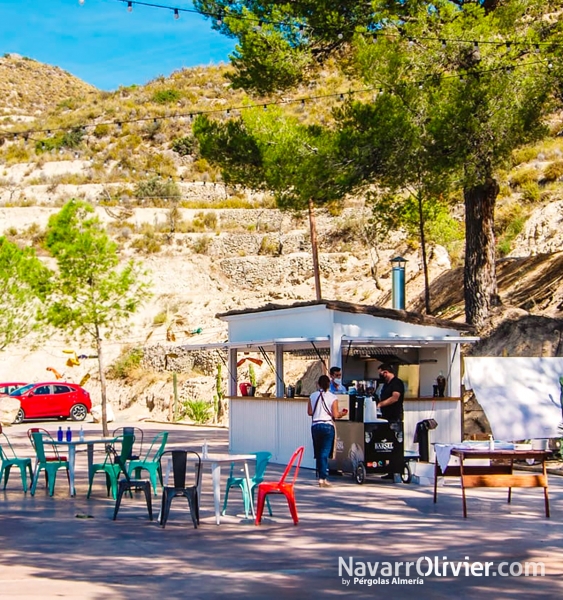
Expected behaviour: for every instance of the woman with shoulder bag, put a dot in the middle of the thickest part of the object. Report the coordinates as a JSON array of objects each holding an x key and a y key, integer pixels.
[{"x": 323, "y": 407}]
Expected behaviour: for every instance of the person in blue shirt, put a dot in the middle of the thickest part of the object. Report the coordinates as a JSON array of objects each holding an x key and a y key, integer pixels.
[{"x": 336, "y": 386}]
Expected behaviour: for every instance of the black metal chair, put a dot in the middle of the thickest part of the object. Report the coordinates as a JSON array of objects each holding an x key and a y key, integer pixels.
[
  {"x": 179, "y": 463},
  {"x": 127, "y": 484},
  {"x": 138, "y": 435}
]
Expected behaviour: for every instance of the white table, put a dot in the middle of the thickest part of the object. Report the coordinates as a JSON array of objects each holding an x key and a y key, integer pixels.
[
  {"x": 89, "y": 443},
  {"x": 216, "y": 461}
]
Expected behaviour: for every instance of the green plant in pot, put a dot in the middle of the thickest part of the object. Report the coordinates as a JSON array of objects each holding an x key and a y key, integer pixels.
[{"x": 252, "y": 377}]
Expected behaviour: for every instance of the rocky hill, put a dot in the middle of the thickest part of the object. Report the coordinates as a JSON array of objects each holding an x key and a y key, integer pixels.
[
  {"x": 211, "y": 248},
  {"x": 29, "y": 89}
]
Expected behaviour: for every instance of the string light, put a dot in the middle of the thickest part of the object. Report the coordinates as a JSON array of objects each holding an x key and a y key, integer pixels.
[
  {"x": 176, "y": 14},
  {"x": 337, "y": 96},
  {"x": 301, "y": 27}
]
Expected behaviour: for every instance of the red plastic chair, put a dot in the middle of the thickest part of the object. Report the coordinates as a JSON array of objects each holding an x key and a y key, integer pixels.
[{"x": 281, "y": 487}]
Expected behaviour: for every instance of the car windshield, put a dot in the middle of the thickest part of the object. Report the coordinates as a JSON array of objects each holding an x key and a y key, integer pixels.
[{"x": 22, "y": 390}]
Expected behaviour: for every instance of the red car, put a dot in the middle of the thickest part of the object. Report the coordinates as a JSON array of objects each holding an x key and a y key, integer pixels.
[
  {"x": 57, "y": 399},
  {"x": 7, "y": 388}
]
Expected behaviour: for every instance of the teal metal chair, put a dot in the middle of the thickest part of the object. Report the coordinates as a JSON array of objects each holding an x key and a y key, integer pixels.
[
  {"x": 262, "y": 460},
  {"x": 151, "y": 460},
  {"x": 109, "y": 466},
  {"x": 10, "y": 459},
  {"x": 139, "y": 434},
  {"x": 50, "y": 465}
]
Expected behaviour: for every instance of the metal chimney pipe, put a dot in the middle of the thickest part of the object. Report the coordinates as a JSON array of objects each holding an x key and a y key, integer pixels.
[{"x": 398, "y": 282}]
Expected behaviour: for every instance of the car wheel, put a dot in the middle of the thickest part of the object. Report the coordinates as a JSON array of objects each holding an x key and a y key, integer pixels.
[
  {"x": 360, "y": 474},
  {"x": 19, "y": 417},
  {"x": 78, "y": 412},
  {"x": 406, "y": 475}
]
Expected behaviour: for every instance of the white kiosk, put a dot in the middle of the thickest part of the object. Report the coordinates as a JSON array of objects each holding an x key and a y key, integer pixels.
[{"x": 357, "y": 338}]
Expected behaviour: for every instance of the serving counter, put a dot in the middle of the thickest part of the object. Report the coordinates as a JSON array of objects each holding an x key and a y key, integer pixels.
[{"x": 280, "y": 425}]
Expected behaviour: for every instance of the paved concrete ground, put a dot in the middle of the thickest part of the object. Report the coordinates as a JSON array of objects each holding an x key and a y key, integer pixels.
[{"x": 47, "y": 552}]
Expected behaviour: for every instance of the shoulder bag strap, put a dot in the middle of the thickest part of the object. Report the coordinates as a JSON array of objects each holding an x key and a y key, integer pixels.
[{"x": 326, "y": 408}]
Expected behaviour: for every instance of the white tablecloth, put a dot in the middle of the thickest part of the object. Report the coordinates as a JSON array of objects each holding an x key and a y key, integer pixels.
[{"x": 443, "y": 451}]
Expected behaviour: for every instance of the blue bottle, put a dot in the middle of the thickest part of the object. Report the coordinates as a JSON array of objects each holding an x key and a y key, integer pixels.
[
  {"x": 60, "y": 434},
  {"x": 68, "y": 435}
]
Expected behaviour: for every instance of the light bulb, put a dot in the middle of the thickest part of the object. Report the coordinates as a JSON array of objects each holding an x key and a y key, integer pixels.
[
  {"x": 176, "y": 13},
  {"x": 129, "y": 6},
  {"x": 81, "y": 2}
]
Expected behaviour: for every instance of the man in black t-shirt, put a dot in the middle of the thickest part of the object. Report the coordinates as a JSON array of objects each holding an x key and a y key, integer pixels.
[{"x": 391, "y": 404}]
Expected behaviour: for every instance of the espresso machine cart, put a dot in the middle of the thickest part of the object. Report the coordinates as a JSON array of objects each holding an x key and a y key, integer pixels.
[{"x": 366, "y": 448}]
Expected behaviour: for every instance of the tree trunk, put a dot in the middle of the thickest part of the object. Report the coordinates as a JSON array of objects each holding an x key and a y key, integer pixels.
[
  {"x": 424, "y": 256},
  {"x": 480, "y": 280},
  {"x": 102, "y": 384},
  {"x": 315, "y": 250}
]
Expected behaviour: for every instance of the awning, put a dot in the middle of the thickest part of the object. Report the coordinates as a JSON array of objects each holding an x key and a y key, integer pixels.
[
  {"x": 408, "y": 341},
  {"x": 287, "y": 344}
]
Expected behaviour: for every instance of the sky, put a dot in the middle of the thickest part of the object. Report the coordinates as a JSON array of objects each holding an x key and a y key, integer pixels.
[{"x": 103, "y": 44}]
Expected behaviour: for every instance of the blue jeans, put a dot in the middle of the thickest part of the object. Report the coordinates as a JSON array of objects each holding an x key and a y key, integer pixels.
[{"x": 323, "y": 438}]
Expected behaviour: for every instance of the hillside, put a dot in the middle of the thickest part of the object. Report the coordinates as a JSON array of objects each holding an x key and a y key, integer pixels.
[
  {"x": 29, "y": 89},
  {"x": 211, "y": 248}
]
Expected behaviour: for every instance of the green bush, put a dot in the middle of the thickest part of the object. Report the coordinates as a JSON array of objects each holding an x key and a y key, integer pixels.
[
  {"x": 269, "y": 246},
  {"x": 72, "y": 138},
  {"x": 101, "y": 130},
  {"x": 148, "y": 243},
  {"x": 553, "y": 171},
  {"x": 523, "y": 155},
  {"x": 16, "y": 153},
  {"x": 199, "y": 411},
  {"x": 160, "y": 318},
  {"x": 509, "y": 223},
  {"x": 185, "y": 146},
  {"x": 67, "y": 139},
  {"x": 444, "y": 230},
  {"x": 524, "y": 175},
  {"x": 166, "y": 96},
  {"x": 203, "y": 221},
  {"x": 157, "y": 188},
  {"x": 531, "y": 192},
  {"x": 129, "y": 360},
  {"x": 202, "y": 244}
]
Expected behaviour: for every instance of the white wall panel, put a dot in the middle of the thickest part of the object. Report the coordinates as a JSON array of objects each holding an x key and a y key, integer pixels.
[
  {"x": 276, "y": 426},
  {"x": 280, "y": 426}
]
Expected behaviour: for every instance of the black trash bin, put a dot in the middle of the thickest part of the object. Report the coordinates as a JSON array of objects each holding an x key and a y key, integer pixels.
[{"x": 422, "y": 437}]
